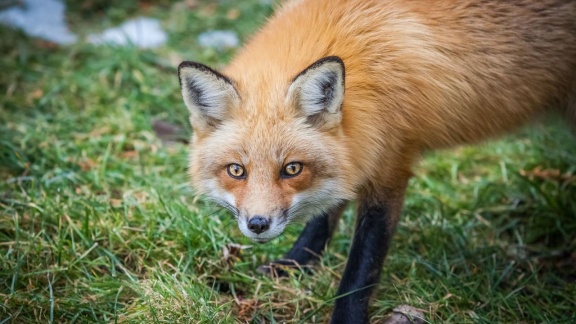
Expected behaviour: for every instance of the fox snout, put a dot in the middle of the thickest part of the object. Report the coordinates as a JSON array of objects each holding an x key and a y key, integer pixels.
[
  {"x": 260, "y": 228},
  {"x": 258, "y": 224}
]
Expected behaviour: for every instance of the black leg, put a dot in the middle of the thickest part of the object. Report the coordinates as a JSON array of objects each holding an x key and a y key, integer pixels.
[
  {"x": 308, "y": 247},
  {"x": 376, "y": 223}
]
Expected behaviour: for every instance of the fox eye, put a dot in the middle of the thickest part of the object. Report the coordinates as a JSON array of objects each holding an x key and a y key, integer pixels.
[
  {"x": 292, "y": 169},
  {"x": 236, "y": 171}
]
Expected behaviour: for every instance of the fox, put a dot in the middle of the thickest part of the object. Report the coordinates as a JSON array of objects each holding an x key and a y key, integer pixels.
[{"x": 333, "y": 101}]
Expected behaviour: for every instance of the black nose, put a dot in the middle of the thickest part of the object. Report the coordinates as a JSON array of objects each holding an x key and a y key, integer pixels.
[{"x": 258, "y": 224}]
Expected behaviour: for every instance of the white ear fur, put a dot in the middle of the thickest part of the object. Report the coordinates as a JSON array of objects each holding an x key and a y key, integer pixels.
[
  {"x": 207, "y": 94},
  {"x": 319, "y": 91}
]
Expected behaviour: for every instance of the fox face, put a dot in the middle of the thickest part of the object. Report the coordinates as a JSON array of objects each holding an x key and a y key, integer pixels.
[{"x": 270, "y": 158}]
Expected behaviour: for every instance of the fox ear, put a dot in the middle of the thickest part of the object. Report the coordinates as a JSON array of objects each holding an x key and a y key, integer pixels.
[
  {"x": 318, "y": 92},
  {"x": 207, "y": 94}
]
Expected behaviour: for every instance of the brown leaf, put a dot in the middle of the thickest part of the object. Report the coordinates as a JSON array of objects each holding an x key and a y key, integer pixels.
[
  {"x": 37, "y": 94},
  {"x": 547, "y": 174},
  {"x": 247, "y": 308},
  {"x": 86, "y": 164},
  {"x": 116, "y": 202},
  {"x": 233, "y": 14},
  {"x": 129, "y": 155}
]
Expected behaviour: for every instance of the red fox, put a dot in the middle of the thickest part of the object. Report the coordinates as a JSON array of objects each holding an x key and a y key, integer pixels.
[{"x": 336, "y": 100}]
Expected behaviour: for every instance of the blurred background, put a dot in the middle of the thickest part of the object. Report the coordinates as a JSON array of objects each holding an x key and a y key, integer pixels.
[{"x": 98, "y": 222}]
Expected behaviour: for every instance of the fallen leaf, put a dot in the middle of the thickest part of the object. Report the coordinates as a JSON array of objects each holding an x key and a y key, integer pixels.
[
  {"x": 129, "y": 155},
  {"x": 37, "y": 94},
  {"x": 87, "y": 164},
  {"x": 547, "y": 174},
  {"x": 405, "y": 314},
  {"x": 247, "y": 308},
  {"x": 233, "y": 14},
  {"x": 116, "y": 202}
]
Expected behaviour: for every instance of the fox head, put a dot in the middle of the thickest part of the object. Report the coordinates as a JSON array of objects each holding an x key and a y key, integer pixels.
[{"x": 271, "y": 151}]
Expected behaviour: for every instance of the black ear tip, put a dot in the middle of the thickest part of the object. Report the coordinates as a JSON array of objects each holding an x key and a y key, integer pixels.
[
  {"x": 189, "y": 64},
  {"x": 333, "y": 58},
  {"x": 183, "y": 65},
  {"x": 322, "y": 61},
  {"x": 201, "y": 68},
  {"x": 330, "y": 59}
]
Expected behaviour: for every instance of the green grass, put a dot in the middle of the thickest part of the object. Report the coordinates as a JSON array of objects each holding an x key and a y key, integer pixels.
[{"x": 98, "y": 223}]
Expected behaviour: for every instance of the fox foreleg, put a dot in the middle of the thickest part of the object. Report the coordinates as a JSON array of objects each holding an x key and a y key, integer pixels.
[{"x": 378, "y": 214}]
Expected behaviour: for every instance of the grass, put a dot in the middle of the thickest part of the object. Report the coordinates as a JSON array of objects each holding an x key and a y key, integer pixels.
[{"x": 98, "y": 223}]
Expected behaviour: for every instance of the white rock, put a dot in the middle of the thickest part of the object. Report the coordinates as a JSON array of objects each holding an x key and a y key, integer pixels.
[
  {"x": 40, "y": 18},
  {"x": 219, "y": 39},
  {"x": 141, "y": 32}
]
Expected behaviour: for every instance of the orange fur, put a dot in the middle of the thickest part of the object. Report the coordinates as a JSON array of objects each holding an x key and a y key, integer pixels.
[{"x": 419, "y": 75}]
